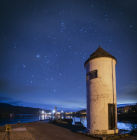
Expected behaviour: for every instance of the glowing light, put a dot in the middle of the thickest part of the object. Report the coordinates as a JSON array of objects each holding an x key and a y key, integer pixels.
[
  {"x": 42, "y": 112},
  {"x": 37, "y": 55}
]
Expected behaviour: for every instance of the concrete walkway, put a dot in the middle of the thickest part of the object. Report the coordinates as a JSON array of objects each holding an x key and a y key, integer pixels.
[
  {"x": 16, "y": 135},
  {"x": 41, "y": 131},
  {"x": 45, "y": 131}
]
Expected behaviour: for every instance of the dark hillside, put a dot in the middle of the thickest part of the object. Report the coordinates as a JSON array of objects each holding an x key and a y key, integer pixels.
[{"x": 7, "y": 109}]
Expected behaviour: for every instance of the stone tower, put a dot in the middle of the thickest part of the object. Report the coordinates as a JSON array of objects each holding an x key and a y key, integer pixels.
[{"x": 101, "y": 93}]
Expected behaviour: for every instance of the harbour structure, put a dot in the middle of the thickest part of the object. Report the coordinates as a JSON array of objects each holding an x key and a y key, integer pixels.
[{"x": 101, "y": 93}]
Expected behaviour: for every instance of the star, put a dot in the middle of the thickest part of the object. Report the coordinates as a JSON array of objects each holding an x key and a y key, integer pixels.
[
  {"x": 92, "y": 5},
  {"x": 23, "y": 65},
  {"x": 110, "y": 40},
  {"x": 62, "y": 26},
  {"x": 81, "y": 30},
  {"x": 51, "y": 78},
  {"x": 105, "y": 15},
  {"x": 69, "y": 46},
  {"x": 15, "y": 46},
  {"x": 60, "y": 74},
  {"x": 37, "y": 55},
  {"x": 62, "y": 23},
  {"x": 48, "y": 61},
  {"x": 130, "y": 26},
  {"x": 54, "y": 90},
  {"x": 83, "y": 57},
  {"x": 75, "y": 53}
]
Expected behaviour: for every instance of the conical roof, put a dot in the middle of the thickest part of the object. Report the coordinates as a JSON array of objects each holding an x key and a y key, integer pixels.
[{"x": 100, "y": 52}]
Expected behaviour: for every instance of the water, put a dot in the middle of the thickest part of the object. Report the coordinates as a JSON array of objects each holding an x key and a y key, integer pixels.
[
  {"x": 24, "y": 118},
  {"x": 120, "y": 125}
]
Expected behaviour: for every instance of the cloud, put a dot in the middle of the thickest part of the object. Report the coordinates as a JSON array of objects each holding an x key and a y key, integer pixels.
[
  {"x": 2, "y": 99},
  {"x": 9, "y": 100},
  {"x": 128, "y": 93},
  {"x": 15, "y": 102}
]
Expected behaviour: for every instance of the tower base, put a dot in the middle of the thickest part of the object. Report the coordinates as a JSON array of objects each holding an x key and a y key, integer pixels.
[{"x": 102, "y": 132}]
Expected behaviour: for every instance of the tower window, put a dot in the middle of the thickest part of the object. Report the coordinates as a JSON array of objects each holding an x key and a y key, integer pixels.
[{"x": 92, "y": 75}]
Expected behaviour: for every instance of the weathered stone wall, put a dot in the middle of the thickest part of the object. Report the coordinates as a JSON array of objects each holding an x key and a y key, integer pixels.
[{"x": 100, "y": 92}]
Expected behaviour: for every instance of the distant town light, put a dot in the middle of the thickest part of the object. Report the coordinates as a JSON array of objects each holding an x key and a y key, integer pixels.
[
  {"x": 42, "y": 112},
  {"x": 53, "y": 111}
]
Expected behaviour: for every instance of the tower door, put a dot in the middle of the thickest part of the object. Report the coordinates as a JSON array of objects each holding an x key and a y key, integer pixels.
[{"x": 111, "y": 116}]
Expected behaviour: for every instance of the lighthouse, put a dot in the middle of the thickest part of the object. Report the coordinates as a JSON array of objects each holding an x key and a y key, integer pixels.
[{"x": 101, "y": 93}]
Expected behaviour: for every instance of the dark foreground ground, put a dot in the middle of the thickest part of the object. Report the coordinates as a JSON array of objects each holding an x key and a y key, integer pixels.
[{"x": 44, "y": 131}]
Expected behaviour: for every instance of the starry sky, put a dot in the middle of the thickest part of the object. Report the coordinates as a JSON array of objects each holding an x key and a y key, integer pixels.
[{"x": 44, "y": 44}]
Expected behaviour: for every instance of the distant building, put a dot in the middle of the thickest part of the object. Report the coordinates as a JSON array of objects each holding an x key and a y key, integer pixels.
[
  {"x": 127, "y": 109},
  {"x": 101, "y": 93}
]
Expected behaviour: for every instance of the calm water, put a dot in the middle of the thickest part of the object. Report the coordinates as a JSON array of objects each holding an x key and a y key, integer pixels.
[
  {"x": 120, "y": 125},
  {"x": 24, "y": 118},
  {"x": 30, "y": 118}
]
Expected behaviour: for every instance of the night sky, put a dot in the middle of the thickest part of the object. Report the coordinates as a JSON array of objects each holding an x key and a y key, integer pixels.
[{"x": 44, "y": 44}]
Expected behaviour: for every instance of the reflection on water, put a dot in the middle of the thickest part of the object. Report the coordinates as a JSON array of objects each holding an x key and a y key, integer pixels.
[
  {"x": 120, "y": 125},
  {"x": 42, "y": 117},
  {"x": 24, "y": 118},
  {"x": 83, "y": 120},
  {"x": 126, "y": 126}
]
